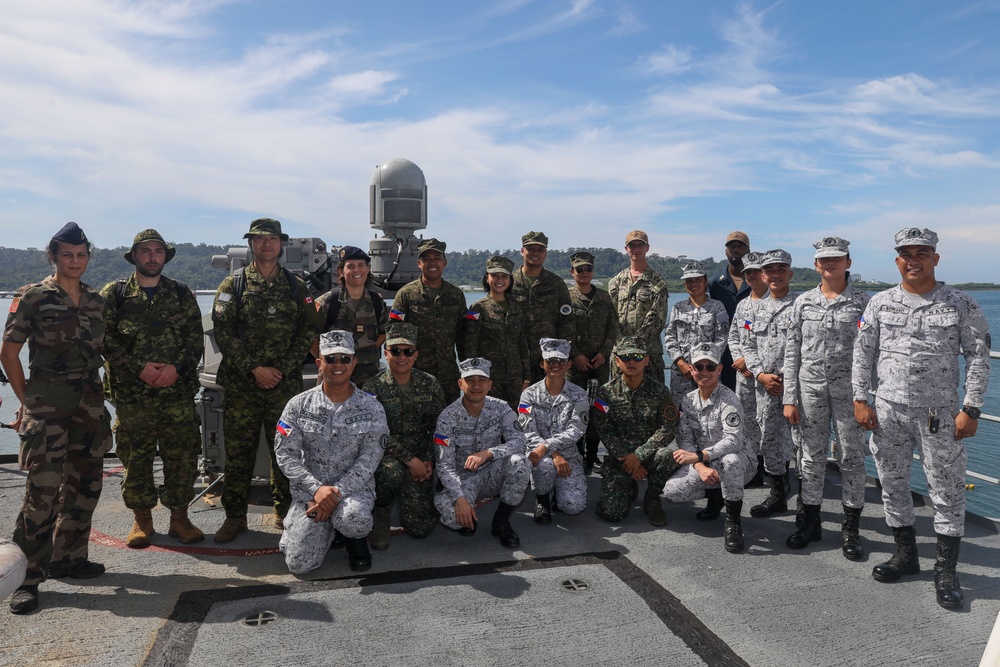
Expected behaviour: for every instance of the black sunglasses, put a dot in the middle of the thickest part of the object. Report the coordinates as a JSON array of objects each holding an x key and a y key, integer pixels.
[
  {"x": 584, "y": 269},
  {"x": 705, "y": 368},
  {"x": 555, "y": 361},
  {"x": 338, "y": 359},
  {"x": 406, "y": 352},
  {"x": 631, "y": 357}
]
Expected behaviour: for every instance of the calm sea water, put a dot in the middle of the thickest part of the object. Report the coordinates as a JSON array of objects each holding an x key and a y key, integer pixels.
[{"x": 984, "y": 456}]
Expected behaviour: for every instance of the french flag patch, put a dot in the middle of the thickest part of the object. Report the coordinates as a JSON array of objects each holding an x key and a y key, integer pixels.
[
  {"x": 441, "y": 440},
  {"x": 284, "y": 429},
  {"x": 524, "y": 408},
  {"x": 748, "y": 325},
  {"x": 601, "y": 405},
  {"x": 397, "y": 315},
  {"x": 471, "y": 315}
]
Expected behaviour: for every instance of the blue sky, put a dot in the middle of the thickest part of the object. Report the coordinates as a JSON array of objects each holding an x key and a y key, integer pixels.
[{"x": 791, "y": 121}]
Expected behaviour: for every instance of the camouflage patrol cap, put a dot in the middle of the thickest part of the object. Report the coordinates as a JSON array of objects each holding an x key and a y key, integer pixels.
[
  {"x": 752, "y": 260},
  {"x": 500, "y": 264},
  {"x": 401, "y": 333},
  {"x": 143, "y": 237},
  {"x": 706, "y": 351},
  {"x": 71, "y": 234},
  {"x": 582, "y": 258},
  {"x": 265, "y": 227},
  {"x": 349, "y": 252},
  {"x": 336, "y": 342},
  {"x": 831, "y": 246},
  {"x": 535, "y": 238},
  {"x": 693, "y": 270},
  {"x": 916, "y": 236},
  {"x": 629, "y": 345},
  {"x": 474, "y": 366},
  {"x": 554, "y": 348},
  {"x": 636, "y": 235},
  {"x": 777, "y": 256},
  {"x": 431, "y": 244}
]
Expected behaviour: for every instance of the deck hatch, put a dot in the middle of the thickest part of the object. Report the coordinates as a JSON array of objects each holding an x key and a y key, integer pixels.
[
  {"x": 259, "y": 619},
  {"x": 574, "y": 585}
]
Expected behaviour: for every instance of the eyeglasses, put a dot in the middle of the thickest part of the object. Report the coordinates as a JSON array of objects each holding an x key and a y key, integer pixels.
[
  {"x": 584, "y": 269},
  {"x": 631, "y": 357},
  {"x": 405, "y": 351},
  {"x": 705, "y": 368},
  {"x": 344, "y": 359},
  {"x": 554, "y": 361},
  {"x": 636, "y": 245}
]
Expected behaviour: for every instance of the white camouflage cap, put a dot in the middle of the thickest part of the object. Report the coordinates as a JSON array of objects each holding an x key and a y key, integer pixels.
[
  {"x": 474, "y": 366},
  {"x": 831, "y": 246},
  {"x": 555, "y": 348},
  {"x": 751, "y": 260},
  {"x": 706, "y": 351},
  {"x": 776, "y": 256},
  {"x": 693, "y": 270},
  {"x": 916, "y": 236},
  {"x": 336, "y": 342}
]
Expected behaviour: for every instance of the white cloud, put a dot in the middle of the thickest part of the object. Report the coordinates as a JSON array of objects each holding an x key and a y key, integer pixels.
[{"x": 671, "y": 58}]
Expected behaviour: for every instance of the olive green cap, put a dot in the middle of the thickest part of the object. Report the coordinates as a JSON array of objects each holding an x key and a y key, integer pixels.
[
  {"x": 401, "y": 333},
  {"x": 265, "y": 227},
  {"x": 630, "y": 345},
  {"x": 582, "y": 258},
  {"x": 500, "y": 264},
  {"x": 535, "y": 238},
  {"x": 431, "y": 244}
]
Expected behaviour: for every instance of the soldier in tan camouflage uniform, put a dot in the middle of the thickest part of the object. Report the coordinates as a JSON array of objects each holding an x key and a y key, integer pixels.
[
  {"x": 413, "y": 401},
  {"x": 637, "y": 421},
  {"x": 437, "y": 308},
  {"x": 496, "y": 328},
  {"x": 62, "y": 422},
  {"x": 263, "y": 334},
  {"x": 152, "y": 347},
  {"x": 639, "y": 295},
  {"x": 544, "y": 297}
]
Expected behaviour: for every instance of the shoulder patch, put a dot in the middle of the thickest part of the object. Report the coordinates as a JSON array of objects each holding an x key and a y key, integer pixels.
[
  {"x": 13, "y": 305},
  {"x": 670, "y": 412},
  {"x": 225, "y": 297},
  {"x": 384, "y": 440},
  {"x": 733, "y": 419},
  {"x": 522, "y": 421},
  {"x": 566, "y": 309}
]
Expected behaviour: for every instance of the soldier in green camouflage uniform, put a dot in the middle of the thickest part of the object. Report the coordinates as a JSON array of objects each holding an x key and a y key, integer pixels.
[
  {"x": 497, "y": 329},
  {"x": 152, "y": 347},
  {"x": 264, "y": 335},
  {"x": 637, "y": 421},
  {"x": 639, "y": 295},
  {"x": 62, "y": 423},
  {"x": 412, "y": 400},
  {"x": 544, "y": 297},
  {"x": 596, "y": 324},
  {"x": 437, "y": 308}
]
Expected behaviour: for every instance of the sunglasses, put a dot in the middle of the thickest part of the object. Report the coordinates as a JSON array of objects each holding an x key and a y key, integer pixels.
[
  {"x": 631, "y": 357},
  {"x": 406, "y": 352},
  {"x": 706, "y": 368},
  {"x": 584, "y": 269},
  {"x": 555, "y": 362},
  {"x": 636, "y": 245},
  {"x": 344, "y": 359}
]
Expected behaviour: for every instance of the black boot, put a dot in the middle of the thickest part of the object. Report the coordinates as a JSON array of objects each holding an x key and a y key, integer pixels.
[
  {"x": 811, "y": 530},
  {"x": 338, "y": 540},
  {"x": 776, "y": 501},
  {"x": 800, "y": 513},
  {"x": 591, "y": 461},
  {"x": 850, "y": 539},
  {"x": 734, "y": 526},
  {"x": 502, "y": 529},
  {"x": 949, "y": 591},
  {"x": 543, "y": 508},
  {"x": 905, "y": 561},
  {"x": 714, "y": 506},
  {"x": 358, "y": 556},
  {"x": 758, "y": 478}
]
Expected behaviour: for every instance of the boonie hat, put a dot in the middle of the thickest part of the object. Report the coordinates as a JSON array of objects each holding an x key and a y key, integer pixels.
[
  {"x": 336, "y": 342},
  {"x": 693, "y": 270},
  {"x": 916, "y": 236},
  {"x": 474, "y": 366},
  {"x": 555, "y": 348},
  {"x": 265, "y": 227},
  {"x": 143, "y": 237}
]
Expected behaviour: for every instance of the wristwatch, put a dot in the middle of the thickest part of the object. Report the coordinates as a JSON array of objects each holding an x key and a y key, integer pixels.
[
  {"x": 701, "y": 456},
  {"x": 972, "y": 412}
]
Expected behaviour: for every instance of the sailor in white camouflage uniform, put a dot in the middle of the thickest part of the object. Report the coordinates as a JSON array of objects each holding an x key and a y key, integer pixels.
[
  {"x": 713, "y": 449},
  {"x": 739, "y": 332},
  {"x": 480, "y": 455},
  {"x": 764, "y": 352},
  {"x": 696, "y": 319},
  {"x": 818, "y": 390},
  {"x": 553, "y": 414},
  {"x": 329, "y": 442},
  {"x": 915, "y": 333}
]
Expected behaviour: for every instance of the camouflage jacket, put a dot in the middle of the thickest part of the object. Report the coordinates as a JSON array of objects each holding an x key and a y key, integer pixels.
[
  {"x": 764, "y": 350},
  {"x": 821, "y": 341},
  {"x": 364, "y": 323},
  {"x": 269, "y": 328},
  {"x": 439, "y": 320},
  {"x": 554, "y": 421},
  {"x": 916, "y": 341},
  {"x": 65, "y": 341},
  {"x": 639, "y": 421},
  {"x": 412, "y": 413},
  {"x": 714, "y": 425},
  {"x": 596, "y": 323},
  {"x": 166, "y": 329},
  {"x": 547, "y": 304},
  {"x": 500, "y": 336},
  {"x": 690, "y": 325},
  {"x": 739, "y": 329},
  {"x": 641, "y": 306}
]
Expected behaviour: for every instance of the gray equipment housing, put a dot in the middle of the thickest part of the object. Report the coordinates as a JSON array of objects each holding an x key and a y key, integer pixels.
[{"x": 398, "y": 206}]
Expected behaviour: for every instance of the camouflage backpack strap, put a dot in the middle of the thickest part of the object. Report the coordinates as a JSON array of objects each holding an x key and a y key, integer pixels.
[
  {"x": 334, "y": 309},
  {"x": 120, "y": 285}
]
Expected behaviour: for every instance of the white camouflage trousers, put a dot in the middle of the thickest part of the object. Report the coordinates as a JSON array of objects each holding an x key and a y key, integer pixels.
[
  {"x": 507, "y": 478},
  {"x": 571, "y": 492},
  {"x": 820, "y": 405},
  {"x": 746, "y": 391},
  {"x": 775, "y": 432},
  {"x": 306, "y": 542},
  {"x": 735, "y": 470}
]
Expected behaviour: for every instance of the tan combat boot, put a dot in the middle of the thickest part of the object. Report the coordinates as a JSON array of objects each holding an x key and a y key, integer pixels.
[
  {"x": 142, "y": 530},
  {"x": 181, "y": 526},
  {"x": 380, "y": 528},
  {"x": 233, "y": 526}
]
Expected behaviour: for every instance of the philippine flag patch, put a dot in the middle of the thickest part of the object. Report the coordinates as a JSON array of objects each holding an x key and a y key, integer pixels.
[
  {"x": 397, "y": 315},
  {"x": 471, "y": 315},
  {"x": 601, "y": 405},
  {"x": 284, "y": 429},
  {"x": 748, "y": 325},
  {"x": 524, "y": 408},
  {"x": 441, "y": 440},
  {"x": 862, "y": 322}
]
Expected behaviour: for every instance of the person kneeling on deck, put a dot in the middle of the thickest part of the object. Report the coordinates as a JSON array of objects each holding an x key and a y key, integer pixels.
[
  {"x": 479, "y": 445},
  {"x": 329, "y": 442},
  {"x": 553, "y": 414},
  {"x": 716, "y": 457},
  {"x": 636, "y": 420}
]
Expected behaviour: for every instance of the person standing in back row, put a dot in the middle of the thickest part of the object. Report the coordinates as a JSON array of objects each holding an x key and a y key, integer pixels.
[{"x": 729, "y": 287}]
